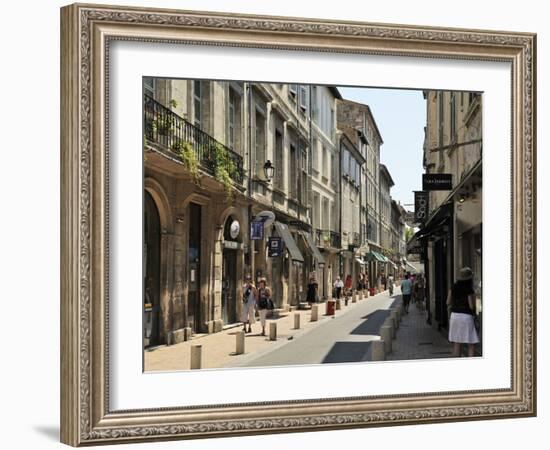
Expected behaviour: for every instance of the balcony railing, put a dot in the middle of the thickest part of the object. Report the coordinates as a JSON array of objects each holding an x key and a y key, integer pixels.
[
  {"x": 356, "y": 238},
  {"x": 325, "y": 239},
  {"x": 166, "y": 128}
]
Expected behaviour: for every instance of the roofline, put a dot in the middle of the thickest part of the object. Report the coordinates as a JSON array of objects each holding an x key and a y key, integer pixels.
[
  {"x": 384, "y": 168},
  {"x": 367, "y": 107},
  {"x": 334, "y": 90}
]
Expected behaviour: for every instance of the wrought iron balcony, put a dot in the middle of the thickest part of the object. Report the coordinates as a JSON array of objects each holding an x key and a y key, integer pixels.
[
  {"x": 325, "y": 239},
  {"x": 335, "y": 240},
  {"x": 165, "y": 128}
]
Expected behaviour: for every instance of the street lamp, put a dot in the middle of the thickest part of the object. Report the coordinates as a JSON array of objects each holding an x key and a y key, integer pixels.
[{"x": 269, "y": 170}]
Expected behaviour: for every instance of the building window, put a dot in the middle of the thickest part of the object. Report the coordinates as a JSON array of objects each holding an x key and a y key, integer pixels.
[
  {"x": 234, "y": 121},
  {"x": 325, "y": 162},
  {"x": 149, "y": 85},
  {"x": 345, "y": 161},
  {"x": 197, "y": 102},
  {"x": 313, "y": 100},
  {"x": 314, "y": 155},
  {"x": 260, "y": 144},
  {"x": 293, "y": 91},
  {"x": 333, "y": 170},
  {"x": 304, "y": 98},
  {"x": 293, "y": 174},
  {"x": 441, "y": 120},
  {"x": 303, "y": 179},
  {"x": 278, "y": 182},
  {"x": 332, "y": 125}
]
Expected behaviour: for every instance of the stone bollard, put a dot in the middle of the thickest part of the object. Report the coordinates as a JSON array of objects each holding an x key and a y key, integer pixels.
[
  {"x": 187, "y": 332},
  {"x": 314, "y": 313},
  {"x": 354, "y": 296},
  {"x": 239, "y": 343},
  {"x": 218, "y": 325},
  {"x": 389, "y": 322},
  {"x": 210, "y": 327},
  {"x": 393, "y": 315},
  {"x": 385, "y": 335},
  {"x": 338, "y": 304},
  {"x": 272, "y": 331},
  {"x": 196, "y": 356},
  {"x": 296, "y": 321},
  {"x": 400, "y": 311},
  {"x": 377, "y": 350}
]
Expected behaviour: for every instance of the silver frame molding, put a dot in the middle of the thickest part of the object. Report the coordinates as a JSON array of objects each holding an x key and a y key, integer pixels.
[{"x": 86, "y": 31}]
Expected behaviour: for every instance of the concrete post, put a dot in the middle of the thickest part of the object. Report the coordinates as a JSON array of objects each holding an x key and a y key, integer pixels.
[
  {"x": 239, "y": 343},
  {"x": 196, "y": 356},
  {"x": 389, "y": 322},
  {"x": 385, "y": 336},
  {"x": 187, "y": 333},
  {"x": 377, "y": 350},
  {"x": 338, "y": 304},
  {"x": 354, "y": 296},
  {"x": 272, "y": 331},
  {"x": 314, "y": 313},
  {"x": 393, "y": 315},
  {"x": 296, "y": 321}
]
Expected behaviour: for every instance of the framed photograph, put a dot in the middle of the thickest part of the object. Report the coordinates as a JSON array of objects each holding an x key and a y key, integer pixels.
[{"x": 276, "y": 224}]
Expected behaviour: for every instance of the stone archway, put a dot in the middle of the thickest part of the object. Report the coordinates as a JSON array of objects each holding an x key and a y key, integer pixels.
[{"x": 157, "y": 257}]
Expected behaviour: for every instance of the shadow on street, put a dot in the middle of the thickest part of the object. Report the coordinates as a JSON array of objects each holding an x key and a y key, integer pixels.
[{"x": 342, "y": 352}]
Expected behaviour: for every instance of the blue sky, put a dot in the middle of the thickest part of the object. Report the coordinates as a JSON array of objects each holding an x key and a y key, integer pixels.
[{"x": 401, "y": 117}]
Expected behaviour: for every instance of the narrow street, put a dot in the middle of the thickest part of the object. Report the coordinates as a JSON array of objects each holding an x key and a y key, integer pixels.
[{"x": 345, "y": 338}]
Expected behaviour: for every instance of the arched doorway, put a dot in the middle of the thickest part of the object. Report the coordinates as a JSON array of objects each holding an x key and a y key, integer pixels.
[
  {"x": 151, "y": 282},
  {"x": 231, "y": 234}
]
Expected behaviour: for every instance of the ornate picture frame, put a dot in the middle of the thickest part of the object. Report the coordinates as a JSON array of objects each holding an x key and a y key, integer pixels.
[{"x": 86, "y": 34}]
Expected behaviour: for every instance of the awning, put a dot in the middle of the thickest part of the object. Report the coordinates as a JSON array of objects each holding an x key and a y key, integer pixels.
[
  {"x": 414, "y": 268},
  {"x": 375, "y": 256},
  {"x": 289, "y": 241},
  {"x": 360, "y": 261},
  {"x": 393, "y": 264},
  {"x": 314, "y": 250}
]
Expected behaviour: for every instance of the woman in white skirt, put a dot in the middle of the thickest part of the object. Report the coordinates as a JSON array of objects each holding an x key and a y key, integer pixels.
[
  {"x": 461, "y": 300},
  {"x": 250, "y": 297}
]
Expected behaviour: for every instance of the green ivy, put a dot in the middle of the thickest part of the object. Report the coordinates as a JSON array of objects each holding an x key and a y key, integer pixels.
[
  {"x": 224, "y": 169},
  {"x": 163, "y": 125},
  {"x": 187, "y": 155}
]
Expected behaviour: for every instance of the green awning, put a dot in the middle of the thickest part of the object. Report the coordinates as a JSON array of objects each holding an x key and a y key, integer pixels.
[
  {"x": 289, "y": 241},
  {"x": 314, "y": 250},
  {"x": 375, "y": 256}
]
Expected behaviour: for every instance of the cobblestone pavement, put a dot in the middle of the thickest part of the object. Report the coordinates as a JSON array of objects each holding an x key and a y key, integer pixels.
[
  {"x": 415, "y": 339},
  {"x": 218, "y": 349}
]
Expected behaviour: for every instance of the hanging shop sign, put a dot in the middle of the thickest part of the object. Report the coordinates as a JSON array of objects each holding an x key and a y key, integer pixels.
[
  {"x": 274, "y": 247},
  {"x": 437, "y": 182},
  {"x": 421, "y": 206},
  {"x": 257, "y": 230}
]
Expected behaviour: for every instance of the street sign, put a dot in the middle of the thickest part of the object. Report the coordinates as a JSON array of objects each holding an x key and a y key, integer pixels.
[
  {"x": 274, "y": 247},
  {"x": 421, "y": 206},
  {"x": 437, "y": 182},
  {"x": 257, "y": 230}
]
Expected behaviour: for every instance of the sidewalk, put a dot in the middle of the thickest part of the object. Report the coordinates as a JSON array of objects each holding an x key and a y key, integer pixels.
[
  {"x": 415, "y": 339},
  {"x": 218, "y": 349}
]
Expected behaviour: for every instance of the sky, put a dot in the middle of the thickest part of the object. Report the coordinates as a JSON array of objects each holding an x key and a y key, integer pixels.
[{"x": 400, "y": 116}]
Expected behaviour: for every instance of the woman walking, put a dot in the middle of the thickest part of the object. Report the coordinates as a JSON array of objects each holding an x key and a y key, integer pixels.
[
  {"x": 461, "y": 300},
  {"x": 264, "y": 300},
  {"x": 312, "y": 290},
  {"x": 250, "y": 296}
]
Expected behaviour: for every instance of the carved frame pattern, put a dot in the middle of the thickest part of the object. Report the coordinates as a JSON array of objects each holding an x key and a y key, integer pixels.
[{"x": 86, "y": 418}]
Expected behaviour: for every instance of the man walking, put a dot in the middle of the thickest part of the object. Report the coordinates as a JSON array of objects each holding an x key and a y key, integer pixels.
[{"x": 406, "y": 288}]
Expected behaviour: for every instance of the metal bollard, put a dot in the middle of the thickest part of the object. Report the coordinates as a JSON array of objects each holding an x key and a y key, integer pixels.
[
  {"x": 239, "y": 343},
  {"x": 385, "y": 335},
  {"x": 272, "y": 331},
  {"x": 377, "y": 350},
  {"x": 296, "y": 321},
  {"x": 196, "y": 356},
  {"x": 314, "y": 313}
]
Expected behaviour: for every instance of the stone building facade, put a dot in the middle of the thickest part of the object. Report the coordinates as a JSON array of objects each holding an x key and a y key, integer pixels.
[{"x": 452, "y": 235}]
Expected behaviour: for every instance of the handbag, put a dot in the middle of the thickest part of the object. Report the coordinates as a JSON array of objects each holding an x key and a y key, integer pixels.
[{"x": 270, "y": 304}]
